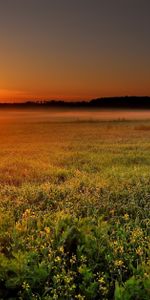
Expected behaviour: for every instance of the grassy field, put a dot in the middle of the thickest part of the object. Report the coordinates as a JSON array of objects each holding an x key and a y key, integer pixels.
[{"x": 74, "y": 208}]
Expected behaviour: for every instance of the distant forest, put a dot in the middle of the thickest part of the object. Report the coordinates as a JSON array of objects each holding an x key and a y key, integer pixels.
[{"x": 127, "y": 102}]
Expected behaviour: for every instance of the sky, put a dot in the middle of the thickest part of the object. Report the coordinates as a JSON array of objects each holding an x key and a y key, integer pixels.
[{"x": 74, "y": 49}]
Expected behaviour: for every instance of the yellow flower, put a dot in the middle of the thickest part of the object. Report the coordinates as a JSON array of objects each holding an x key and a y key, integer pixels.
[
  {"x": 126, "y": 217},
  {"x": 27, "y": 213},
  {"x": 80, "y": 297},
  {"x": 83, "y": 258},
  {"x": 121, "y": 249},
  {"x": 112, "y": 212},
  {"x": 61, "y": 249},
  {"x": 47, "y": 230},
  {"x": 146, "y": 275},
  {"x": 73, "y": 259},
  {"x": 18, "y": 226},
  {"x": 115, "y": 243},
  {"x": 67, "y": 279},
  {"x": 57, "y": 259},
  {"x": 101, "y": 280},
  {"x": 25, "y": 285},
  {"x": 119, "y": 263},
  {"x": 139, "y": 251},
  {"x": 136, "y": 233}
]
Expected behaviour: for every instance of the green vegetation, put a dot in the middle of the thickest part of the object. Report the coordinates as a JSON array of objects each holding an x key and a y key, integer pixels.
[{"x": 74, "y": 210}]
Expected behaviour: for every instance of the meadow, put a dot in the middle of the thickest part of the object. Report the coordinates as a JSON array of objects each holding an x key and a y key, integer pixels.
[{"x": 74, "y": 206}]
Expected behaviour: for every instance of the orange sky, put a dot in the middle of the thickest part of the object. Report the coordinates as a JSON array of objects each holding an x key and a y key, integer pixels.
[{"x": 73, "y": 50}]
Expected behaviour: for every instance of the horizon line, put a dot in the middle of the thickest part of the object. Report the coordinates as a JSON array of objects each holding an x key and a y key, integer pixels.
[{"x": 42, "y": 100}]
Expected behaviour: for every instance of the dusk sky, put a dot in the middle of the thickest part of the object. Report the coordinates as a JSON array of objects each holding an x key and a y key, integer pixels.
[{"x": 74, "y": 49}]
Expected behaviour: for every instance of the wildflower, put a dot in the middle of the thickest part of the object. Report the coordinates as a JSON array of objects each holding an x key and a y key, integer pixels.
[
  {"x": 139, "y": 251},
  {"x": 42, "y": 247},
  {"x": 112, "y": 212},
  {"x": 146, "y": 275},
  {"x": 73, "y": 259},
  {"x": 25, "y": 286},
  {"x": 119, "y": 263},
  {"x": 83, "y": 258},
  {"x": 67, "y": 279},
  {"x": 121, "y": 249},
  {"x": 115, "y": 243},
  {"x": 18, "y": 226},
  {"x": 126, "y": 217},
  {"x": 27, "y": 213},
  {"x": 103, "y": 289},
  {"x": 61, "y": 249},
  {"x": 57, "y": 259},
  {"x": 80, "y": 297},
  {"x": 101, "y": 280},
  {"x": 47, "y": 230},
  {"x": 136, "y": 233},
  {"x": 57, "y": 278}
]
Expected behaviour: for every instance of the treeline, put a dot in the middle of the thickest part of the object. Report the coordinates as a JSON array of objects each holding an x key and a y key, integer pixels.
[{"x": 127, "y": 102}]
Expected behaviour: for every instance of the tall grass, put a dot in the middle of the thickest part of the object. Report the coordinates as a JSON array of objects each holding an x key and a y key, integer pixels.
[{"x": 74, "y": 210}]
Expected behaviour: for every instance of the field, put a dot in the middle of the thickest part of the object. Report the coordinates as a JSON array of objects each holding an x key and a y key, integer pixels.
[{"x": 74, "y": 206}]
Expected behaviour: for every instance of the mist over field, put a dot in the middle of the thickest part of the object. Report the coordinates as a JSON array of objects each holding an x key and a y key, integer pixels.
[{"x": 57, "y": 115}]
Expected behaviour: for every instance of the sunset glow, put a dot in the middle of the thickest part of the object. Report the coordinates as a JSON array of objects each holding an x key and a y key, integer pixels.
[{"x": 73, "y": 50}]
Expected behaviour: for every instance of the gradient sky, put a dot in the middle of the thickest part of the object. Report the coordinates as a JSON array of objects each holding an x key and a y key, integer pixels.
[{"x": 74, "y": 49}]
